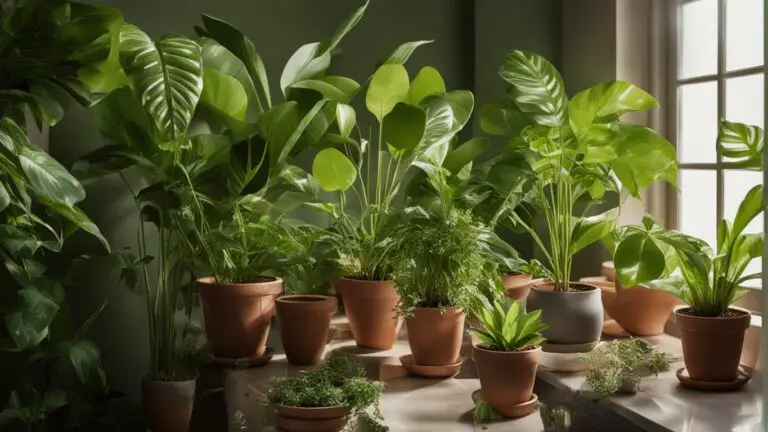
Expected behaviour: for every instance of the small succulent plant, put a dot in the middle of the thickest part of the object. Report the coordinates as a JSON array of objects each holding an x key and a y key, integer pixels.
[{"x": 508, "y": 327}]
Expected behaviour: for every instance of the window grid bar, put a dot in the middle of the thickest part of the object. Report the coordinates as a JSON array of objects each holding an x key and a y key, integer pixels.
[
  {"x": 720, "y": 103},
  {"x": 729, "y": 74}
]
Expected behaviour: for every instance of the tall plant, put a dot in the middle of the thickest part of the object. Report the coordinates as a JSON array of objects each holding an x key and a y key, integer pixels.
[{"x": 570, "y": 153}]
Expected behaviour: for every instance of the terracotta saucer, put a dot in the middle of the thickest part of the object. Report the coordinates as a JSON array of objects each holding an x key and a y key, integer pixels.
[
  {"x": 568, "y": 348},
  {"x": 511, "y": 411},
  {"x": 246, "y": 363},
  {"x": 447, "y": 371},
  {"x": 613, "y": 329},
  {"x": 741, "y": 380}
]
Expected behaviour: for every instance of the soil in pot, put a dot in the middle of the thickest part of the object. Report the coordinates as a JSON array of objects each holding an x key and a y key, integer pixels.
[
  {"x": 304, "y": 322},
  {"x": 712, "y": 346},
  {"x": 506, "y": 377},
  {"x": 435, "y": 335},
  {"x": 639, "y": 310},
  {"x": 238, "y": 316},
  {"x": 575, "y": 317},
  {"x": 311, "y": 419},
  {"x": 168, "y": 404},
  {"x": 517, "y": 285},
  {"x": 369, "y": 306}
]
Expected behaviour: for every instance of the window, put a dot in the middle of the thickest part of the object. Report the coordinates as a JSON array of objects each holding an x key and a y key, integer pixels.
[{"x": 718, "y": 70}]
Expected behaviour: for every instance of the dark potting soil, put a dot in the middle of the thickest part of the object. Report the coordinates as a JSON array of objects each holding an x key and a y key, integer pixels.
[{"x": 728, "y": 313}]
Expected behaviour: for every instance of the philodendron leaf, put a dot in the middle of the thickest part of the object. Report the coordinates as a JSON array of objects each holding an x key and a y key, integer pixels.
[
  {"x": 49, "y": 180},
  {"x": 346, "y": 119},
  {"x": 643, "y": 157},
  {"x": 333, "y": 170},
  {"x": 537, "y": 87},
  {"x": 607, "y": 100},
  {"x": 166, "y": 76},
  {"x": 306, "y": 63},
  {"x": 591, "y": 229},
  {"x": 404, "y": 126},
  {"x": 389, "y": 85},
  {"x": 741, "y": 145},
  {"x": 224, "y": 94},
  {"x": 18, "y": 242},
  {"x": 402, "y": 53},
  {"x": 28, "y": 324},
  {"x": 750, "y": 207},
  {"x": 427, "y": 82},
  {"x": 216, "y": 57},
  {"x": 438, "y": 132},
  {"x": 638, "y": 259}
]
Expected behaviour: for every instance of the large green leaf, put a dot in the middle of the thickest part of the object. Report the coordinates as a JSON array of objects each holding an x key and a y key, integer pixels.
[
  {"x": 17, "y": 242},
  {"x": 28, "y": 323},
  {"x": 607, "y": 100},
  {"x": 404, "y": 126},
  {"x": 638, "y": 259},
  {"x": 741, "y": 145},
  {"x": 335, "y": 88},
  {"x": 84, "y": 357},
  {"x": 750, "y": 207},
  {"x": 216, "y": 56},
  {"x": 346, "y": 118},
  {"x": 277, "y": 125},
  {"x": 438, "y": 132},
  {"x": 333, "y": 170},
  {"x": 502, "y": 118},
  {"x": 591, "y": 229},
  {"x": 427, "y": 82},
  {"x": 166, "y": 76},
  {"x": 389, "y": 85},
  {"x": 464, "y": 154},
  {"x": 537, "y": 87},
  {"x": 80, "y": 219},
  {"x": 224, "y": 94},
  {"x": 343, "y": 29},
  {"x": 306, "y": 63},
  {"x": 462, "y": 103},
  {"x": 402, "y": 53}
]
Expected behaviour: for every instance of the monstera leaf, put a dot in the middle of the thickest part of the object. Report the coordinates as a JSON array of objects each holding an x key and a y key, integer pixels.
[
  {"x": 537, "y": 87},
  {"x": 741, "y": 145},
  {"x": 607, "y": 100},
  {"x": 166, "y": 76}
]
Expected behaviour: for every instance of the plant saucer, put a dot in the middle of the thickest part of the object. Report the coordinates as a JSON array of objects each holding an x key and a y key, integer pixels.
[
  {"x": 716, "y": 386},
  {"x": 511, "y": 411},
  {"x": 447, "y": 371},
  {"x": 549, "y": 347},
  {"x": 246, "y": 362},
  {"x": 613, "y": 329}
]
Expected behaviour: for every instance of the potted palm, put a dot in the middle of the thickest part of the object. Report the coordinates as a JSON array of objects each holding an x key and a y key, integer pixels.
[
  {"x": 507, "y": 356},
  {"x": 304, "y": 314},
  {"x": 327, "y": 399},
  {"x": 572, "y": 156}
]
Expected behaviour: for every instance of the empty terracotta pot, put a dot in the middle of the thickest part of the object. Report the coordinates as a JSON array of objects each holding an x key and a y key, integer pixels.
[
  {"x": 506, "y": 377},
  {"x": 712, "y": 346},
  {"x": 639, "y": 310},
  {"x": 369, "y": 306},
  {"x": 435, "y": 335},
  {"x": 517, "y": 285},
  {"x": 168, "y": 404},
  {"x": 574, "y": 317},
  {"x": 320, "y": 419},
  {"x": 238, "y": 316},
  {"x": 304, "y": 321}
]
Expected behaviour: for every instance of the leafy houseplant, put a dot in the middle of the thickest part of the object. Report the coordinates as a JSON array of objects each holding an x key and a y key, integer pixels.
[
  {"x": 712, "y": 331},
  {"x": 329, "y": 398},
  {"x": 508, "y": 354},
  {"x": 619, "y": 366},
  {"x": 565, "y": 153}
]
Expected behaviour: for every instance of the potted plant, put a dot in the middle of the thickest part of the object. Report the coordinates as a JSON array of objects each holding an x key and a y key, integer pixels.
[
  {"x": 304, "y": 314},
  {"x": 569, "y": 157},
  {"x": 507, "y": 355},
  {"x": 328, "y": 399},
  {"x": 619, "y": 366},
  {"x": 416, "y": 120},
  {"x": 711, "y": 329}
]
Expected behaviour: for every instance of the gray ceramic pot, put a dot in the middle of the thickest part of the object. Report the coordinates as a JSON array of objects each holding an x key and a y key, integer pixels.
[{"x": 574, "y": 317}]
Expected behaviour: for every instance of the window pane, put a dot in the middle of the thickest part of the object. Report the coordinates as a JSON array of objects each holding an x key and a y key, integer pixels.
[
  {"x": 698, "y": 204},
  {"x": 698, "y": 122},
  {"x": 743, "y": 33},
  {"x": 698, "y": 38},
  {"x": 736, "y": 184},
  {"x": 744, "y": 99}
]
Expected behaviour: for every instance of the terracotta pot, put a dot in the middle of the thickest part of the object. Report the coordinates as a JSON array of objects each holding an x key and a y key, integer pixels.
[
  {"x": 574, "y": 317},
  {"x": 300, "y": 419},
  {"x": 506, "y": 377},
  {"x": 517, "y": 285},
  {"x": 435, "y": 335},
  {"x": 304, "y": 322},
  {"x": 168, "y": 404},
  {"x": 639, "y": 310},
  {"x": 369, "y": 306},
  {"x": 608, "y": 271},
  {"x": 712, "y": 346},
  {"x": 238, "y": 316}
]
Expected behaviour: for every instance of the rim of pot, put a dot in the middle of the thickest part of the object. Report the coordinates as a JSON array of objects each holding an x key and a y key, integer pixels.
[
  {"x": 354, "y": 279},
  {"x": 592, "y": 287},
  {"x": 211, "y": 280},
  {"x": 304, "y": 298},
  {"x": 481, "y": 347},
  {"x": 745, "y": 312}
]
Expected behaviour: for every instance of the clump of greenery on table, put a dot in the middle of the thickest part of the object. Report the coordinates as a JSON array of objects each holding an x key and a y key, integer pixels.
[
  {"x": 623, "y": 363},
  {"x": 509, "y": 327},
  {"x": 341, "y": 381}
]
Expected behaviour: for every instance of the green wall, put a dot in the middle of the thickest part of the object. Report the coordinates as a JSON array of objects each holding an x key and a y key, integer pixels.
[{"x": 471, "y": 39}]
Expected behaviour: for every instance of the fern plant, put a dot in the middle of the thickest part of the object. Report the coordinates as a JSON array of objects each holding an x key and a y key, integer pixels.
[
  {"x": 618, "y": 364},
  {"x": 508, "y": 327}
]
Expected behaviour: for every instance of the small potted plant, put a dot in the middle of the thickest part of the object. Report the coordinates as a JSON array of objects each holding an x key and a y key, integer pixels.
[
  {"x": 619, "y": 366},
  {"x": 328, "y": 399},
  {"x": 304, "y": 314},
  {"x": 508, "y": 355},
  {"x": 565, "y": 152}
]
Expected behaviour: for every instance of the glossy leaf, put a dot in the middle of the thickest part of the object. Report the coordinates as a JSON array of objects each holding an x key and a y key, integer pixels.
[
  {"x": 607, "y": 100},
  {"x": 389, "y": 85},
  {"x": 462, "y": 103},
  {"x": 344, "y": 29},
  {"x": 427, "y": 82},
  {"x": 80, "y": 219},
  {"x": 502, "y": 119},
  {"x": 224, "y": 94},
  {"x": 591, "y": 229},
  {"x": 404, "y": 126},
  {"x": 333, "y": 170},
  {"x": 28, "y": 323},
  {"x": 216, "y": 56},
  {"x": 741, "y": 145},
  {"x": 402, "y": 53},
  {"x": 346, "y": 118},
  {"x": 463, "y": 155},
  {"x": 638, "y": 259},
  {"x": 750, "y": 207},
  {"x": 438, "y": 132},
  {"x": 335, "y": 88},
  {"x": 306, "y": 63},
  {"x": 537, "y": 87}
]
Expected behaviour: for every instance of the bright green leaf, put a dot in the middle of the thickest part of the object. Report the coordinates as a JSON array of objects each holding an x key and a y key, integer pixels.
[
  {"x": 388, "y": 86},
  {"x": 306, "y": 63},
  {"x": 333, "y": 170},
  {"x": 349, "y": 23},
  {"x": 404, "y": 126},
  {"x": 224, "y": 94},
  {"x": 346, "y": 118},
  {"x": 537, "y": 87},
  {"x": 591, "y": 229},
  {"x": 502, "y": 119},
  {"x": 741, "y": 145},
  {"x": 464, "y": 154},
  {"x": 607, "y": 99},
  {"x": 750, "y": 207},
  {"x": 427, "y": 82},
  {"x": 638, "y": 260},
  {"x": 402, "y": 53}
]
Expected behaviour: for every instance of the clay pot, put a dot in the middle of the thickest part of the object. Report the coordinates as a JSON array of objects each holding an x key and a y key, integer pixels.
[
  {"x": 608, "y": 271},
  {"x": 574, "y": 317},
  {"x": 517, "y": 285},
  {"x": 712, "y": 346},
  {"x": 639, "y": 310},
  {"x": 435, "y": 335},
  {"x": 321, "y": 419},
  {"x": 369, "y": 306},
  {"x": 506, "y": 377},
  {"x": 168, "y": 404},
  {"x": 304, "y": 322},
  {"x": 237, "y": 317}
]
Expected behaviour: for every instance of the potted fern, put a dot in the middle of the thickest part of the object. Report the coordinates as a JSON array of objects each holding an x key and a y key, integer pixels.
[
  {"x": 571, "y": 152},
  {"x": 507, "y": 356}
]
